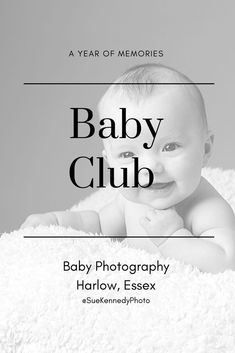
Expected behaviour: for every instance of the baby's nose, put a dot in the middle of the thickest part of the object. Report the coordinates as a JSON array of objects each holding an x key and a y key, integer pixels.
[
  {"x": 155, "y": 165},
  {"x": 158, "y": 169}
]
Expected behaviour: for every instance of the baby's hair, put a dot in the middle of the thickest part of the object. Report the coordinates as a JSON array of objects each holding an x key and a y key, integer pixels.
[{"x": 135, "y": 88}]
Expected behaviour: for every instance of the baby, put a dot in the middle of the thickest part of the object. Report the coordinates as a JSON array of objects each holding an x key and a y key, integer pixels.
[{"x": 179, "y": 201}]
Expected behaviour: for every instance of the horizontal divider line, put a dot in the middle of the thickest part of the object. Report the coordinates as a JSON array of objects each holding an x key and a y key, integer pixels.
[
  {"x": 116, "y": 237},
  {"x": 116, "y": 83}
]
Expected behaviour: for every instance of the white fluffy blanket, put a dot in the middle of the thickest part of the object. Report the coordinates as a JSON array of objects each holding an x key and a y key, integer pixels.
[{"x": 41, "y": 310}]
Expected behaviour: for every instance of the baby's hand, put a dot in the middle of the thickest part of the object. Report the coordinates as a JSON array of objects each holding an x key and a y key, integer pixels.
[
  {"x": 44, "y": 219},
  {"x": 162, "y": 222}
]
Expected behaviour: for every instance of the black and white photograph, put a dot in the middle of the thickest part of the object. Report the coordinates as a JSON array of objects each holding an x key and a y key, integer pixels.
[{"x": 117, "y": 227}]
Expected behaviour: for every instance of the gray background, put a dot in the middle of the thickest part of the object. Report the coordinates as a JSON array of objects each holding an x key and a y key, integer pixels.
[{"x": 36, "y": 122}]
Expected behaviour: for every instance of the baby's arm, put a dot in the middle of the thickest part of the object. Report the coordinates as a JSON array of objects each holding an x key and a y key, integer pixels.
[
  {"x": 84, "y": 220},
  {"x": 214, "y": 218},
  {"x": 109, "y": 220}
]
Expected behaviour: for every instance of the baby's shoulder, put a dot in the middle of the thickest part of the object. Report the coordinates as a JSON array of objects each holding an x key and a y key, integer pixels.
[{"x": 209, "y": 209}]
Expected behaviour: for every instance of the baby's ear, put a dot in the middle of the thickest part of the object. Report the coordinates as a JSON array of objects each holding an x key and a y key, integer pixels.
[{"x": 208, "y": 146}]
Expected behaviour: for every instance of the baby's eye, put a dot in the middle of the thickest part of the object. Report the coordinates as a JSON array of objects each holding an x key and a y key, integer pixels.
[
  {"x": 126, "y": 155},
  {"x": 170, "y": 147}
]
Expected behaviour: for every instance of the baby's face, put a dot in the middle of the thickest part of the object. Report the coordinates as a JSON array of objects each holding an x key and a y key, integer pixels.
[{"x": 176, "y": 157}]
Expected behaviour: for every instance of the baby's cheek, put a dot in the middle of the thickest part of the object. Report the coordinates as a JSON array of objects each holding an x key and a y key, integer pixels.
[
  {"x": 123, "y": 173},
  {"x": 187, "y": 165},
  {"x": 118, "y": 175},
  {"x": 186, "y": 173},
  {"x": 189, "y": 180}
]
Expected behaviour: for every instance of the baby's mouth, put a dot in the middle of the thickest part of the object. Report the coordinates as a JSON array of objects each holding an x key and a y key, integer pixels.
[{"x": 160, "y": 186}]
